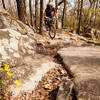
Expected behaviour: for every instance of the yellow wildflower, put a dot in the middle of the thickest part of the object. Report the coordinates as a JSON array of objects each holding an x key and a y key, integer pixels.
[
  {"x": 17, "y": 83},
  {"x": 2, "y": 81},
  {"x": 6, "y": 68},
  {"x": 0, "y": 97},
  {"x": 9, "y": 74},
  {"x": 1, "y": 68},
  {"x": 6, "y": 65}
]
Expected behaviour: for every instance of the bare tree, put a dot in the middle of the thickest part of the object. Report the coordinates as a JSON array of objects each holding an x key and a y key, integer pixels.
[
  {"x": 56, "y": 3},
  {"x": 21, "y": 7},
  {"x": 62, "y": 1},
  {"x": 64, "y": 15},
  {"x": 80, "y": 17},
  {"x": 36, "y": 13},
  {"x": 78, "y": 2},
  {"x": 50, "y": 0},
  {"x": 41, "y": 16},
  {"x": 3, "y": 3},
  {"x": 31, "y": 15},
  {"x": 10, "y": 7},
  {"x": 96, "y": 6},
  {"x": 91, "y": 2},
  {"x": 93, "y": 6}
]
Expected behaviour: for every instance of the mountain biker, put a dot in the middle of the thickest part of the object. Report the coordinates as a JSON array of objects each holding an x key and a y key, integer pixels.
[
  {"x": 50, "y": 19},
  {"x": 50, "y": 11}
]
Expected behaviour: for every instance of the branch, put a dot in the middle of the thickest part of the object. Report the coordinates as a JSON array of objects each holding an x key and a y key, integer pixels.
[{"x": 60, "y": 2}]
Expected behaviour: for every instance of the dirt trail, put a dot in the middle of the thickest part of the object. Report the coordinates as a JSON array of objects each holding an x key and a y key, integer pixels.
[
  {"x": 54, "y": 77},
  {"x": 50, "y": 47}
]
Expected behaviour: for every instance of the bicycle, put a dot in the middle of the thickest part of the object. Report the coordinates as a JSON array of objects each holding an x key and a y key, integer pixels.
[{"x": 50, "y": 24}]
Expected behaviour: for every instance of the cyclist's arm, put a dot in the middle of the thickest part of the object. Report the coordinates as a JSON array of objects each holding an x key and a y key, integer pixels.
[{"x": 44, "y": 14}]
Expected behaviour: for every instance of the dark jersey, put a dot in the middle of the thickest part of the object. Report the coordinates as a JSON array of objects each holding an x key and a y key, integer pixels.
[{"x": 49, "y": 12}]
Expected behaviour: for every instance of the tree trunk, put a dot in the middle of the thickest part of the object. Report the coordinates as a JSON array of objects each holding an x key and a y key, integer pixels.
[
  {"x": 78, "y": 9},
  {"x": 50, "y": 0},
  {"x": 64, "y": 15},
  {"x": 36, "y": 13},
  {"x": 80, "y": 17},
  {"x": 93, "y": 34},
  {"x": 41, "y": 16},
  {"x": 21, "y": 7},
  {"x": 3, "y": 4},
  {"x": 10, "y": 8},
  {"x": 56, "y": 2},
  {"x": 31, "y": 15},
  {"x": 95, "y": 12}
]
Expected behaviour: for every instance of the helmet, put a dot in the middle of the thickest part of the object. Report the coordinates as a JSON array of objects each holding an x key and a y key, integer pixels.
[{"x": 52, "y": 4}]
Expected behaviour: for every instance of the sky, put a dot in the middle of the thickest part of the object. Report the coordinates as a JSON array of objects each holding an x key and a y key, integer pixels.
[
  {"x": 69, "y": 0},
  {"x": 46, "y": 1},
  {"x": 72, "y": 0}
]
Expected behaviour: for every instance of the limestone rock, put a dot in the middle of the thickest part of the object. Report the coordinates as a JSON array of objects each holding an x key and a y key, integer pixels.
[
  {"x": 26, "y": 65},
  {"x": 65, "y": 89},
  {"x": 84, "y": 63},
  {"x": 7, "y": 21},
  {"x": 14, "y": 46}
]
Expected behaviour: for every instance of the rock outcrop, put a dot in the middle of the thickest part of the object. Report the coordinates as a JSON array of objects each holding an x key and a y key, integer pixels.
[
  {"x": 65, "y": 90},
  {"x": 14, "y": 46},
  {"x": 84, "y": 64},
  {"x": 7, "y": 21},
  {"x": 18, "y": 49}
]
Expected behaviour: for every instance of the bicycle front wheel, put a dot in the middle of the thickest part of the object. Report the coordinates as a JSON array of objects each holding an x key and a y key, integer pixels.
[{"x": 52, "y": 32}]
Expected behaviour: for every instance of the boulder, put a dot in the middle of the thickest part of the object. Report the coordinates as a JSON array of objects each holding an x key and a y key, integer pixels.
[
  {"x": 14, "y": 46},
  {"x": 26, "y": 66},
  {"x": 65, "y": 89},
  {"x": 7, "y": 21},
  {"x": 97, "y": 34},
  {"x": 18, "y": 50},
  {"x": 84, "y": 65}
]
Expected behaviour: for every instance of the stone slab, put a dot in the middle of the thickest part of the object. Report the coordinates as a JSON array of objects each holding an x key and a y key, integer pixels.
[{"x": 84, "y": 63}]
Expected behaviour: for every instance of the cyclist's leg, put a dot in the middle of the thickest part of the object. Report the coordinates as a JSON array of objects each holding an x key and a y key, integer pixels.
[
  {"x": 53, "y": 21},
  {"x": 46, "y": 24}
]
